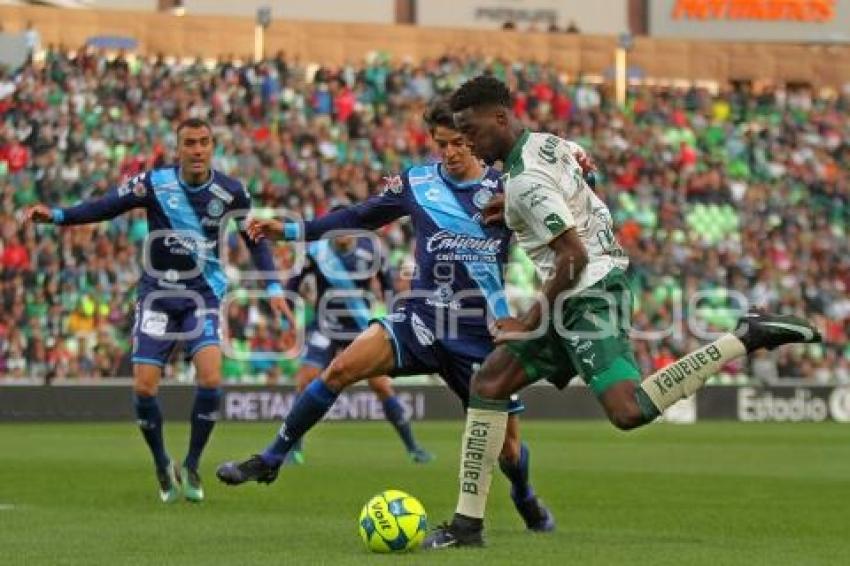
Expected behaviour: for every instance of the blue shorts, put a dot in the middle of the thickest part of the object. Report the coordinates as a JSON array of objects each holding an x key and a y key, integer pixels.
[
  {"x": 418, "y": 349},
  {"x": 321, "y": 349},
  {"x": 164, "y": 318}
]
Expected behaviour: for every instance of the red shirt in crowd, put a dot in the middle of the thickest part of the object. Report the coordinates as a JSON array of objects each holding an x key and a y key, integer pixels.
[
  {"x": 15, "y": 256},
  {"x": 344, "y": 104},
  {"x": 16, "y": 155}
]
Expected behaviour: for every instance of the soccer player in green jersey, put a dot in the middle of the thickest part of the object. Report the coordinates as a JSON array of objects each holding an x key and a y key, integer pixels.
[{"x": 580, "y": 327}]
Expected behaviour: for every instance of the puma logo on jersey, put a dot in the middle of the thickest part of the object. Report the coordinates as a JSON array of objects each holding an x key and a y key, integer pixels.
[{"x": 554, "y": 223}]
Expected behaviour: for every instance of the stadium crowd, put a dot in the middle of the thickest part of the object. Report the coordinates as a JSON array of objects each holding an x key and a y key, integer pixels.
[{"x": 740, "y": 189}]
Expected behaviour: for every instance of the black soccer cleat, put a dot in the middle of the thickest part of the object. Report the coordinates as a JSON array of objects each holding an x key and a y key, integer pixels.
[
  {"x": 453, "y": 534},
  {"x": 758, "y": 330},
  {"x": 252, "y": 469},
  {"x": 536, "y": 516}
]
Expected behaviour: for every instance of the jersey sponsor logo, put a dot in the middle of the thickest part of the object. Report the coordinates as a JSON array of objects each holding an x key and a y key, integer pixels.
[
  {"x": 393, "y": 184},
  {"x": 482, "y": 197},
  {"x": 490, "y": 183},
  {"x": 210, "y": 222},
  {"x": 446, "y": 240},
  {"x": 215, "y": 208},
  {"x": 530, "y": 196},
  {"x": 555, "y": 224},
  {"x": 422, "y": 332},
  {"x": 547, "y": 150},
  {"x": 185, "y": 245},
  {"x": 221, "y": 193}
]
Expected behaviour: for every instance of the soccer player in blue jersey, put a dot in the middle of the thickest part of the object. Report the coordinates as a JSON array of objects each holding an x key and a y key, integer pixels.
[
  {"x": 442, "y": 326},
  {"x": 341, "y": 266},
  {"x": 181, "y": 288}
]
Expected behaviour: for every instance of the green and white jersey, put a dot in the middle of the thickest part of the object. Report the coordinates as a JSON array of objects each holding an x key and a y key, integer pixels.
[{"x": 546, "y": 195}]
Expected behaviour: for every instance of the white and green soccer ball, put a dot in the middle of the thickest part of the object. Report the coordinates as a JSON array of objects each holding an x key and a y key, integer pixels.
[{"x": 393, "y": 521}]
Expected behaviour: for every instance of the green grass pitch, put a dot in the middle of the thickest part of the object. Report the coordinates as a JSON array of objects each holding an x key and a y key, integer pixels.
[{"x": 681, "y": 495}]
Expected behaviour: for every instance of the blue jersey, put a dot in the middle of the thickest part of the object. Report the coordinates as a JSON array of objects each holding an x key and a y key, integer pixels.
[
  {"x": 343, "y": 278},
  {"x": 459, "y": 260},
  {"x": 185, "y": 225}
]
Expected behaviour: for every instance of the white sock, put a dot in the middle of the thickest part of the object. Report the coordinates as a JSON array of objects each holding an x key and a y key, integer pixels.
[
  {"x": 683, "y": 377},
  {"x": 482, "y": 444}
]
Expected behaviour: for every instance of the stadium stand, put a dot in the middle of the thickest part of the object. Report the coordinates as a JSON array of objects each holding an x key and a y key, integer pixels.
[{"x": 710, "y": 190}]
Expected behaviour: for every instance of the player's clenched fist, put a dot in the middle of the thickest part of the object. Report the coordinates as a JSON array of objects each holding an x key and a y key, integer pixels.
[
  {"x": 37, "y": 213},
  {"x": 271, "y": 229},
  {"x": 494, "y": 211}
]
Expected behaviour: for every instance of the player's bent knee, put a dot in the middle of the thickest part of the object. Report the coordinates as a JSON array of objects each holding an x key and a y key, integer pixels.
[
  {"x": 488, "y": 385},
  {"x": 145, "y": 388},
  {"x": 209, "y": 381},
  {"x": 339, "y": 374}
]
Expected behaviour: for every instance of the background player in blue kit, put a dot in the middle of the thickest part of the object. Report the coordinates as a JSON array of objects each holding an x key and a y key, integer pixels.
[
  {"x": 442, "y": 327},
  {"x": 180, "y": 290},
  {"x": 342, "y": 265}
]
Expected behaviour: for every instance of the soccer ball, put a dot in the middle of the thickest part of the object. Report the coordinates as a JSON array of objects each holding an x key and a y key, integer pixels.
[{"x": 393, "y": 521}]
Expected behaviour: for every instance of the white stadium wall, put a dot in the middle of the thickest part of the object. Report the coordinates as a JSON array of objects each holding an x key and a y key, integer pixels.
[
  {"x": 600, "y": 17},
  {"x": 142, "y": 5},
  {"x": 350, "y": 11}
]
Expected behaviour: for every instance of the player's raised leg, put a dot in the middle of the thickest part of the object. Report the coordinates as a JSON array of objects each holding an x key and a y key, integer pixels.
[
  {"x": 394, "y": 413},
  {"x": 370, "y": 355},
  {"x": 205, "y": 413},
  {"x": 630, "y": 404},
  {"x": 146, "y": 377}
]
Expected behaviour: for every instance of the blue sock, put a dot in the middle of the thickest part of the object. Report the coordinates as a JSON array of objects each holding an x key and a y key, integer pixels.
[
  {"x": 395, "y": 414},
  {"x": 204, "y": 416},
  {"x": 298, "y": 446},
  {"x": 517, "y": 473},
  {"x": 149, "y": 418},
  {"x": 309, "y": 409}
]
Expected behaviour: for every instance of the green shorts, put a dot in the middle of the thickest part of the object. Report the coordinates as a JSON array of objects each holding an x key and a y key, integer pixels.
[{"x": 589, "y": 336}]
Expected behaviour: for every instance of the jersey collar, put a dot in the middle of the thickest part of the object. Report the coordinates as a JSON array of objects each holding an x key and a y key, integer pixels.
[
  {"x": 464, "y": 185},
  {"x": 193, "y": 189},
  {"x": 514, "y": 159}
]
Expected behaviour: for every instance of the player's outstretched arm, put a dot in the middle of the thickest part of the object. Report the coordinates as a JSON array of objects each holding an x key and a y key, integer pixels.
[
  {"x": 131, "y": 195},
  {"x": 370, "y": 214}
]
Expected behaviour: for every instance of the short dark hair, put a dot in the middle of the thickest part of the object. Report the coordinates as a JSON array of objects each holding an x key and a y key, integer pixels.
[
  {"x": 439, "y": 113},
  {"x": 193, "y": 123},
  {"x": 483, "y": 90}
]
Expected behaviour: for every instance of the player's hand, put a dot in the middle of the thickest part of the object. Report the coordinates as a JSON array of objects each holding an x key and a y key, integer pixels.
[
  {"x": 585, "y": 162},
  {"x": 38, "y": 213},
  {"x": 494, "y": 212},
  {"x": 281, "y": 308},
  {"x": 507, "y": 330},
  {"x": 258, "y": 229}
]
